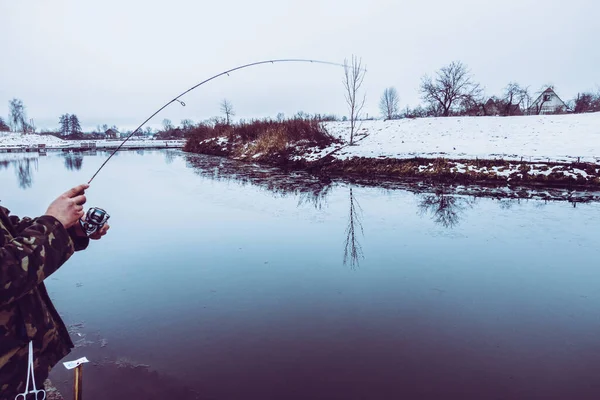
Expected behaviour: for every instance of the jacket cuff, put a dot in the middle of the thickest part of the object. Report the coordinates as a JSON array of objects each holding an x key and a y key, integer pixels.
[{"x": 80, "y": 242}]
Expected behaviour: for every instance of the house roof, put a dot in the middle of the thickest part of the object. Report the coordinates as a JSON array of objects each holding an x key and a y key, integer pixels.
[{"x": 548, "y": 91}]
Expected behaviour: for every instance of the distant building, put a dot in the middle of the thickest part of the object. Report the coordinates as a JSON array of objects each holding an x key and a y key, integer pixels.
[
  {"x": 495, "y": 106},
  {"x": 548, "y": 103},
  {"x": 112, "y": 134}
]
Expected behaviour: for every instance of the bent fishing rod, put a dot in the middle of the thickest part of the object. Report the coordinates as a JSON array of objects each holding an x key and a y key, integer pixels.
[
  {"x": 177, "y": 99},
  {"x": 96, "y": 217}
]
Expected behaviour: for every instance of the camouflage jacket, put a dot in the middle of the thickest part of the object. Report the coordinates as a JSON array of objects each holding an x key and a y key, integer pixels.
[{"x": 31, "y": 250}]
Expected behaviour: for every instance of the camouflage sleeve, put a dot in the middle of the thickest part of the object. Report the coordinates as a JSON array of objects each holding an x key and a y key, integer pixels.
[
  {"x": 31, "y": 257},
  {"x": 81, "y": 243},
  {"x": 20, "y": 223}
]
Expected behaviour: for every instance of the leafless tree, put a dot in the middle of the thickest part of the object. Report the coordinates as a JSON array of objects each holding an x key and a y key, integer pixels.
[
  {"x": 227, "y": 109},
  {"x": 16, "y": 112},
  {"x": 167, "y": 125},
  {"x": 353, "y": 249},
  {"x": 187, "y": 124},
  {"x": 515, "y": 96},
  {"x": 388, "y": 104},
  {"x": 452, "y": 85},
  {"x": 354, "y": 75}
]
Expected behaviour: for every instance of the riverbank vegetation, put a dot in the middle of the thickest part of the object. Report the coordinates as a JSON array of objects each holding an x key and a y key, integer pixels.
[{"x": 275, "y": 140}]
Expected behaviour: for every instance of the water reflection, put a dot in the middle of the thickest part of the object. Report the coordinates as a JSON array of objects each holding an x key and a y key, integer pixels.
[
  {"x": 353, "y": 250},
  {"x": 24, "y": 167},
  {"x": 170, "y": 156},
  {"x": 24, "y": 173},
  {"x": 444, "y": 209},
  {"x": 310, "y": 189},
  {"x": 73, "y": 161}
]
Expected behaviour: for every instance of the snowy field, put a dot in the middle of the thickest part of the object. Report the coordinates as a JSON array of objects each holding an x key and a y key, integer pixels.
[
  {"x": 11, "y": 140},
  {"x": 554, "y": 138}
]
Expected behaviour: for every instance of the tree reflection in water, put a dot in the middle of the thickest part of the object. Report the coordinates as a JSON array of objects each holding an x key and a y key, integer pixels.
[
  {"x": 353, "y": 250},
  {"x": 24, "y": 173},
  {"x": 23, "y": 169},
  {"x": 73, "y": 161},
  {"x": 445, "y": 209},
  {"x": 309, "y": 189}
]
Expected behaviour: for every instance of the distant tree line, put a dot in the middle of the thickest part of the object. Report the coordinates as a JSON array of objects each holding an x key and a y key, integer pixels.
[{"x": 452, "y": 91}]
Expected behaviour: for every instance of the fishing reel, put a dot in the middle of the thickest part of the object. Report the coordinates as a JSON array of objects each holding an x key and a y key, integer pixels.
[{"x": 94, "y": 220}]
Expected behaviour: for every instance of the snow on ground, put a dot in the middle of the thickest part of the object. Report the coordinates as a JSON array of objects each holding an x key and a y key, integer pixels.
[
  {"x": 555, "y": 138},
  {"x": 18, "y": 139},
  {"x": 11, "y": 139}
]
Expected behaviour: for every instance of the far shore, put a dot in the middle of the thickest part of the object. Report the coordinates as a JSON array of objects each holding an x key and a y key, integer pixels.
[{"x": 541, "y": 151}]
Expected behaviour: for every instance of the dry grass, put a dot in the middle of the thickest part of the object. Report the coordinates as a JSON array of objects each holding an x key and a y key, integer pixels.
[
  {"x": 273, "y": 140},
  {"x": 266, "y": 137}
]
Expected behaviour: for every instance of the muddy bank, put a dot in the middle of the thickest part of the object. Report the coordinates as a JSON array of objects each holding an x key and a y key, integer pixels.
[{"x": 489, "y": 172}]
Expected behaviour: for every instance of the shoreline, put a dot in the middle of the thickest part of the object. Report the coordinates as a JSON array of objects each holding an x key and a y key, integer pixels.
[
  {"x": 533, "y": 151},
  {"x": 441, "y": 171}
]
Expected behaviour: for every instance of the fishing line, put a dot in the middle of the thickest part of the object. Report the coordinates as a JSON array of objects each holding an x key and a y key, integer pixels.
[{"x": 176, "y": 99}]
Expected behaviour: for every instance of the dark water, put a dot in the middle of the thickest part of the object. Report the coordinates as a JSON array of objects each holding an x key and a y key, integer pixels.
[{"x": 241, "y": 282}]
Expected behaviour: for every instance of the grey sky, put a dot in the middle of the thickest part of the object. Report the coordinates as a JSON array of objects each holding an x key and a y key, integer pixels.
[{"x": 117, "y": 61}]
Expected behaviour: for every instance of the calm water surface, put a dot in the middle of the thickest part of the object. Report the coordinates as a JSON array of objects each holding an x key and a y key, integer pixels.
[{"x": 241, "y": 282}]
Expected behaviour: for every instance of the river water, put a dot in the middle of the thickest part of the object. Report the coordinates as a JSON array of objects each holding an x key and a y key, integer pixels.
[{"x": 221, "y": 280}]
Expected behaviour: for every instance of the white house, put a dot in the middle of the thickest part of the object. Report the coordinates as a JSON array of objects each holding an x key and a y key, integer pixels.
[{"x": 548, "y": 103}]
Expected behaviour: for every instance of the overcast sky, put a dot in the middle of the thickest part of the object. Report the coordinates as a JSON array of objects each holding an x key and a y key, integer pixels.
[{"x": 117, "y": 61}]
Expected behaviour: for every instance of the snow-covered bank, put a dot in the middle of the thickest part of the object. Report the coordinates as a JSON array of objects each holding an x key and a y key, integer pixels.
[
  {"x": 19, "y": 139},
  {"x": 11, "y": 140},
  {"x": 544, "y": 138},
  {"x": 560, "y": 150}
]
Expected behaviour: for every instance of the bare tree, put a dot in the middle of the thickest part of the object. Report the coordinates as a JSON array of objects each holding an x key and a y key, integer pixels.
[
  {"x": 452, "y": 86},
  {"x": 388, "y": 104},
  {"x": 227, "y": 109},
  {"x": 515, "y": 96},
  {"x": 354, "y": 74},
  {"x": 167, "y": 125},
  {"x": 187, "y": 124},
  {"x": 16, "y": 111}
]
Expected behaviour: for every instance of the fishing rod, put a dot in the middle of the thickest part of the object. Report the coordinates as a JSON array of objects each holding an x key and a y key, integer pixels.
[
  {"x": 96, "y": 217},
  {"x": 176, "y": 99}
]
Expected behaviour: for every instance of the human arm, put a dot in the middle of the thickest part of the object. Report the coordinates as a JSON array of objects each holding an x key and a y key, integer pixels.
[
  {"x": 28, "y": 259},
  {"x": 40, "y": 247}
]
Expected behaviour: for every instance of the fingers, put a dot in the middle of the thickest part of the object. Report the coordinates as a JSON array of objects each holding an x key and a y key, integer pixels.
[
  {"x": 80, "y": 200},
  {"x": 101, "y": 232},
  {"x": 76, "y": 190}
]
